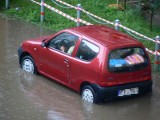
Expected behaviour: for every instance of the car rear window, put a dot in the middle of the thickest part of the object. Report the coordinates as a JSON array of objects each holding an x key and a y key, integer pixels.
[{"x": 127, "y": 59}]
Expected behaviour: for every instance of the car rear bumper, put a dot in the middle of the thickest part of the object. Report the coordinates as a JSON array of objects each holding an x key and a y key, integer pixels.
[{"x": 106, "y": 93}]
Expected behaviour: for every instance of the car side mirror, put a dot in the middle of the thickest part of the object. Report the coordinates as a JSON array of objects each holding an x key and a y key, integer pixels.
[{"x": 44, "y": 44}]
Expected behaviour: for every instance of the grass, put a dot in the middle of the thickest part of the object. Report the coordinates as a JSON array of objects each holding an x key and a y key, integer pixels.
[{"x": 30, "y": 12}]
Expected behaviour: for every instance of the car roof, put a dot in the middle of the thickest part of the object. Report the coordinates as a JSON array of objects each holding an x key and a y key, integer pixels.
[{"x": 104, "y": 35}]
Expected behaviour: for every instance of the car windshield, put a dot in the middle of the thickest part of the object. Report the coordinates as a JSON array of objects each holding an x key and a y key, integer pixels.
[{"x": 127, "y": 59}]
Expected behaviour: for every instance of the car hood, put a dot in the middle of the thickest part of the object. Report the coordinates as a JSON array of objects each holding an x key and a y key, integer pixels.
[{"x": 39, "y": 39}]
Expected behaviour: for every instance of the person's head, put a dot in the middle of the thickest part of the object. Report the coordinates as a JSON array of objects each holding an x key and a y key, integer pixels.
[{"x": 63, "y": 45}]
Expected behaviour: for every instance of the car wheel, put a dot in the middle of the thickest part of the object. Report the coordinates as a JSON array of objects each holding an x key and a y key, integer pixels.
[
  {"x": 28, "y": 65},
  {"x": 88, "y": 94}
]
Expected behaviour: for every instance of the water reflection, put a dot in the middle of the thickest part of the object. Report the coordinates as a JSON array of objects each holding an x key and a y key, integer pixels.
[
  {"x": 27, "y": 80},
  {"x": 53, "y": 115},
  {"x": 60, "y": 103}
]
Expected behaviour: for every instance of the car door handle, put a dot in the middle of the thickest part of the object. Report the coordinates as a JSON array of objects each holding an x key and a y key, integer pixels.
[{"x": 66, "y": 61}]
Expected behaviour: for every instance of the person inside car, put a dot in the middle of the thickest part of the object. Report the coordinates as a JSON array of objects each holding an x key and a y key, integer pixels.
[{"x": 70, "y": 50}]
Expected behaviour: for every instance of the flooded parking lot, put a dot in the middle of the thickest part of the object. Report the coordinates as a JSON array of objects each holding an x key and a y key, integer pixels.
[{"x": 25, "y": 96}]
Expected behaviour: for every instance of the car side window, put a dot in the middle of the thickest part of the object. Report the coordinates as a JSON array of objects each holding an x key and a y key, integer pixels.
[
  {"x": 87, "y": 51},
  {"x": 64, "y": 42}
]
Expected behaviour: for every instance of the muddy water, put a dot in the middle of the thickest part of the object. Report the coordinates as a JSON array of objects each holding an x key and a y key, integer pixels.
[{"x": 25, "y": 96}]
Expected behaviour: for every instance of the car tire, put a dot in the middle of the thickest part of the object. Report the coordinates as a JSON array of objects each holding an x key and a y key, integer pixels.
[
  {"x": 88, "y": 94},
  {"x": 28, "y": 65}
]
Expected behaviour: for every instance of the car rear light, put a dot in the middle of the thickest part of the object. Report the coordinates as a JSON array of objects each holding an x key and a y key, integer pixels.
[{"x": 147, "y": 78}]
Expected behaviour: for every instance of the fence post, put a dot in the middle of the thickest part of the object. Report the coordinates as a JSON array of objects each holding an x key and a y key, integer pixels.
[
  {"x": 157, "y": 49},
  {"x": 117, "y": 22},
  {"x": 7, "y": 4},
  {"x": 78, "y": 14},
  {"x": 42, "y": 10}
]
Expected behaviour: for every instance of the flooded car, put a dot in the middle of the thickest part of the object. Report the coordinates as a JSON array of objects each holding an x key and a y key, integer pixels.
[{"x": 96, "y": 61}]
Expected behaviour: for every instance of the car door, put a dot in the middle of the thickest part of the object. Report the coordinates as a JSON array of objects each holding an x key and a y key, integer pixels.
[{"x": 56, "y": 61}]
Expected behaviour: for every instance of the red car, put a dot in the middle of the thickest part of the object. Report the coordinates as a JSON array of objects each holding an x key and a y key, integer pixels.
[{"x": 98, "y": 62}]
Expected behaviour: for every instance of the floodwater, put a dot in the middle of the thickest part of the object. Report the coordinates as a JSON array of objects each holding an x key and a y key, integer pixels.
[{"x": 25, "y": 96}]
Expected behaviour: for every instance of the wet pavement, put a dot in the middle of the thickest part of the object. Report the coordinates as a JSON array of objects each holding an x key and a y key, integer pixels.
[{"x": 25, "y": 96}]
